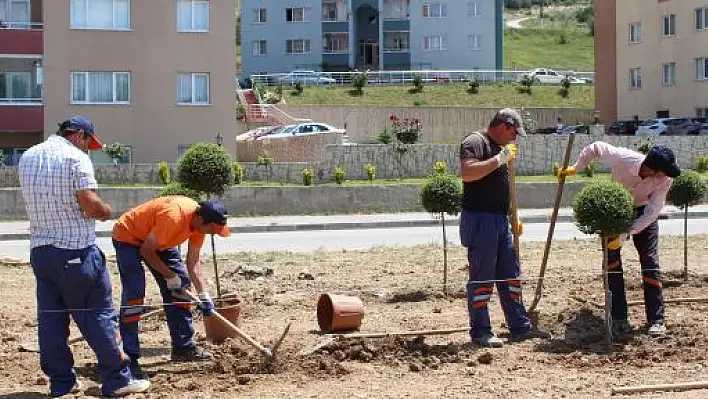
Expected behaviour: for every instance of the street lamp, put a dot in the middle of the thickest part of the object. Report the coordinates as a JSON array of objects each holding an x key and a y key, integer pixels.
[{"x": 219, "y": 139}]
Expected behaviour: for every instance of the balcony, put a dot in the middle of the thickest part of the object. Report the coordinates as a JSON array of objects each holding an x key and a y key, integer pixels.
[
  {"x": 21, "y": 85},
  {"x": 21, "y": 27}
]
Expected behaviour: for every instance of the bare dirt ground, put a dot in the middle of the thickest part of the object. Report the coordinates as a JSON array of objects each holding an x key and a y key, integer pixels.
[{"x": 401, "y": 289}]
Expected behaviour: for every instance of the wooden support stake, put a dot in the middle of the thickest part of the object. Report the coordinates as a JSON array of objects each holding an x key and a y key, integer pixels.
[
  {"x": 682, "y": 386},
  {"x": 513, "y": 205},
  {"x": 400, "y": 333}
]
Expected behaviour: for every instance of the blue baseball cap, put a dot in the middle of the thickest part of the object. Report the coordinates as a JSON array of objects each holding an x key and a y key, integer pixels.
[
  {"x": 76, "y": 123},
  {"x": 662, "y": 159},
  {"x": 214, "y": 211}
]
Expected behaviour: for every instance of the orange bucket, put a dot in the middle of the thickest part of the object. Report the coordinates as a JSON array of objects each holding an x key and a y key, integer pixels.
[
  {"x": 339, "y": 312},
  {"x": 215, "y": 330}
]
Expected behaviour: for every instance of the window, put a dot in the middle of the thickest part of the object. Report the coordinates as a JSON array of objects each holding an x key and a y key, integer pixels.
[
  {"x": 15, "y": 13},
  {"x": 635, "y": 32},
  {"x": 474, "y": 42},
  {"x": 434, "y": 42},
  {"x": 100, "y": 87},
  {"x": 701, "y": 68},
  {"x": 15, "y": 85},
  {"x": 193, "y": 88},
  {"x": 295, "y": 14},
  {"x": 259, "y": 48},
  {"x": 397, "y": 9},
  {"x": 329, "y": 11},
  {"x": 434, "y": 10},
  {"x": 336, "y": 43},
  {"x": 260, "y": 16},
  {"x": 396, "y": 41},
  {"x": 182, "y": 149},
  {"x": 297, "y": 46},
  {"x": 635, "y": 78},
  {"x": 474, "y": 9},
  {"x": 669, "y": 25},
  {"x": 193, "y": 15},
  {"x": 668, "y": 74},
  {"x": 702, "y": 112},
  {"x": 702, "y": 18},
  {"x": 100, "y": 14}
]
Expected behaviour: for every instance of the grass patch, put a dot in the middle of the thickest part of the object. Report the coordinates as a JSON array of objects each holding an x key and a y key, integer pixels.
[
  {"x": 530, "y": 48},
  {"x": 491, "y": 96}
]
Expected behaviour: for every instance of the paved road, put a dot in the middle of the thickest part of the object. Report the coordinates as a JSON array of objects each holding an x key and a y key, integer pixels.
[{"x": 307, "y": 241}]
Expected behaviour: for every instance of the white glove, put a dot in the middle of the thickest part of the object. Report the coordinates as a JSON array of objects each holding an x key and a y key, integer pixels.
[
  {"x": 507, "y": 153},
  {"x": 174, "y": 282}
]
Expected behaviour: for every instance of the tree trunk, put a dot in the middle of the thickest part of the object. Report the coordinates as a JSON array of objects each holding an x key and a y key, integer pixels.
[
  {"x": 442, "y": 215},
  {"x": 685, "y": 243},
  {"x": 608, "y": 294}
]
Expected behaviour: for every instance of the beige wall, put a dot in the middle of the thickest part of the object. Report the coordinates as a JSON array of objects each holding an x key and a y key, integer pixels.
[
  {"x": 154, "y": 52},
  {"x": 653, "y": 51},
  {"x": 606, "y": 60}
]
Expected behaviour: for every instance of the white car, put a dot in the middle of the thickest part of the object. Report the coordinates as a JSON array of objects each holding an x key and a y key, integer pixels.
[
  {"x": 655, "y": 127},
  {"x": 299, "y": 130},
  {"x": 550, "y": 77},
  {"x": 306, "y": 78}
]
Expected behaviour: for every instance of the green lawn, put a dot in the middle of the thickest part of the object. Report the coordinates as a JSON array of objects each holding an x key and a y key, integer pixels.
[
  {"x": 492, "y": 96},
  {"x": 538, "y": 48}
]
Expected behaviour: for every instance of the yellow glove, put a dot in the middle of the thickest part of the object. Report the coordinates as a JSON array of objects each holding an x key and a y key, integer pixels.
[
  {"x": 507, "y": 153},
  {"x": 519, "y": 229},
  {"x": 615, "y": 242},
  {"x": 569, "y": 171}
]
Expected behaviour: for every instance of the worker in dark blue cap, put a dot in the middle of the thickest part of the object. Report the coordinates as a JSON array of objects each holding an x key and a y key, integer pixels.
[{"x": 649, "y": 178}]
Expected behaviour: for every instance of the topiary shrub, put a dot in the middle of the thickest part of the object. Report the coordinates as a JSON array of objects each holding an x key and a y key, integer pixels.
[
  {"x": 440, "y": 168},
  {"x": 687, "y": 190},
  {"x": 417, "y": 83},
  {"x": 307, "y": 175},
  {"x": 359, "y": 80},
  {"x": 339, "y": 174},
  {"x": 440, "y": 195},
  {"x": 701, "y": 164},
  {"x": 238, "y": 172},
  {"x": 178, "y": 189},
  {"x": 206, "y": 168},
  {"x": 384, "y": 137},
  {"x": 370, "y": 171},
  {"x": 473, "y": 86},
  {"x": 163, "y": 169}
]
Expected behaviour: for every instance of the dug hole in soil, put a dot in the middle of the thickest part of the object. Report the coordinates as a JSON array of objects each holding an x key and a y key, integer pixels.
[{"x": 402, "y": 290}]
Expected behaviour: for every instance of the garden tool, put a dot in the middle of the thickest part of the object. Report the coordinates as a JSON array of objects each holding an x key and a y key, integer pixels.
[
  {"x": 549, "y": 239},
  {"x": 513, "y": 206}
]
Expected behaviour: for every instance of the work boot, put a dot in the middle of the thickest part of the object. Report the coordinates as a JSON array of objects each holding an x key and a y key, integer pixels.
[
  {"x": 74, "y": 390},
  {"x": 191, "y": 355},
  {"x": 134, "y": 386},
  {"x": 488, "y": 341},
  {"x": 621, "y": 327},
  {"x": 135, "y": 370},
  {"x": 530, "y": 334},
  {"x": 657, "y": 330}
]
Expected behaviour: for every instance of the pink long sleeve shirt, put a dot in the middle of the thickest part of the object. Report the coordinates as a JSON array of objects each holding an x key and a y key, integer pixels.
[{"x": 650, "y": 192}]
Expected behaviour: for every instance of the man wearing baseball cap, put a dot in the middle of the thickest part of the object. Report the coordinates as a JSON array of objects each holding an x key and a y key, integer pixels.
[
  {"x": 648, "y": 178},
  {"x": 150, "y": 233},
  {"x": 485, "y": 229}
]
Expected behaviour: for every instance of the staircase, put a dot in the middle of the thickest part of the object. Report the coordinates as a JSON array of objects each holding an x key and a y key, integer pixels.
[{"x": 268, "y": 114}]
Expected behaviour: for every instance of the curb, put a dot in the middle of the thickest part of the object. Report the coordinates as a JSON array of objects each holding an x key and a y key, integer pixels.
[{"x": 276, "y": 228}]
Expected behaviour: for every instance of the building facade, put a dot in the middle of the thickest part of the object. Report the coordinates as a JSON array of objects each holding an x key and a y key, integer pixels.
[
  {"x": 338, "y": 35},
  {"x": 156, "y": 76},
  {"x": 652, "y": 58}
]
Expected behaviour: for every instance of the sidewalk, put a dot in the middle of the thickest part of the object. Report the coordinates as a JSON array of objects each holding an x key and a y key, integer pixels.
[{"x": 19, "y": 230}]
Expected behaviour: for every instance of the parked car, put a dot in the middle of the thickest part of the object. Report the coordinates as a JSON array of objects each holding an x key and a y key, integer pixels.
[
  {"x": 301, "y": 129},
  {"x": 545, "y": 130},
  {"x": 657, "y": 127},
  {"x": 306, "y": 78},
  {"x": 549, "y": 76},
  {"x": 257, "y": 132},
  {"x": 577, "y": 129},
  {"x": 624, "y": 127},
  {"x": 704, "y": 128},
  {"x": 691, "y": 126}
]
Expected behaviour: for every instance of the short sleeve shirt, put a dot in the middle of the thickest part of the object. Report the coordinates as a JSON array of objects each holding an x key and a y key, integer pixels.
[{"x": 491, "y": 193}]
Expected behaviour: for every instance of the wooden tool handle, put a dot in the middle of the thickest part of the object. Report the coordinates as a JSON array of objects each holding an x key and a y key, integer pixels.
[
  {"x": 514, "y": 205},
  {"x": 400, "y": 333}
]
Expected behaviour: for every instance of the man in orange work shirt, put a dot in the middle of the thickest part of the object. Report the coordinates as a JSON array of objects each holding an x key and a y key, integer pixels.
[{"x": 151, "y": 233}]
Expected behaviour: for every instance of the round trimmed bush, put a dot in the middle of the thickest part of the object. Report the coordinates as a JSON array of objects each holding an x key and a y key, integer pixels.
[
  {"x": 688, "y": 189},
  {"x": 178, "y": 189},
  {"x": 604, "y": 208},
  {"x": 442, "y": 194},
  {"x": 206, "y": 168}
]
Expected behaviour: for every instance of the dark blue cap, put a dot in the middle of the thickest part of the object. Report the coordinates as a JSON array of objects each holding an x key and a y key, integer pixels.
[
  {"x": 76, "y": 123},
  {"x": 662, "y": 159},
  {"x": 214, "y": 211}
]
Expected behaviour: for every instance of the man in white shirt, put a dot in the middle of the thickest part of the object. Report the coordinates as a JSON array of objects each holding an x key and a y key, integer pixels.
[
  {"x": 58, "y": 187},
  {"x": 649, "y": 179}
]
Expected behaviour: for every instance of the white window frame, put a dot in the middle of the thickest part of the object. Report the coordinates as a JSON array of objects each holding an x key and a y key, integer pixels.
[
  {"x": 258, "y": 13},
  {"x": 397, "y": 34},
  {"x": 474, "y": 9},
  {"x": 701, "y": 18},
  {"x": 325, "y": 4},
  {"x": 8, "y": 85},
  {"x": 87, "y": 23},
  {"x": 668, "y": 74},
  {"x": 635, "y": 78},
  {"x": 259, "y": 48},
  {"x": 427, "y": 44},
  {"x": 192, "y": 27},
  {"x": 474, "y": 42},
  {"x": 194, "y": 76},
  {"x": 702, "y": 68},
  {"x": 292, "y": 14},
  {"x": 13, "y": 22},
  {"x": 345, "y": 42},
  {"x": 397, "y": 10},
  {"x": 429, "y": 9},
  {"x": 635, "y": 32},
  {"x": 85, "y": 75},
  {"x": 306, "y": 46},
  {"x": 668, "y": 25}
]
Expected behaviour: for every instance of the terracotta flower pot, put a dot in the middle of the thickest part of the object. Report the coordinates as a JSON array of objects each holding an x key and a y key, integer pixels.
[
  {"x": 339, "y": 312},
  {"x": 216, "y": 331}
]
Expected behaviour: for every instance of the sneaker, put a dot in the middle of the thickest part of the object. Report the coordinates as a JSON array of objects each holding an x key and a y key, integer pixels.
[
  {"x": 621, "y": 327},
  {"x": 136, "y": 371},
  {"x": 192, "y": 355},
  {"x": 657, "y": 330},
  {"x": 134, "y": 386},
  {"x": 530, "y": 334},
  {"x": 488, "y": 341}
]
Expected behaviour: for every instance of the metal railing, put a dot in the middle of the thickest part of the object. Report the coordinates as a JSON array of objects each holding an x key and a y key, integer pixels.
[
  {"x": 406, "y": 77},
  {"x": 21, "y": 101},
  {"x": 270, "y": 113},
  {"x": 21, "y": 25}
]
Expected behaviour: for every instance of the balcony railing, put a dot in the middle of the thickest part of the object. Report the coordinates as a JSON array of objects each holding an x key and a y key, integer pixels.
[
  {"x": 9, "y": 25},
  {"x": 20, "y": 101}
]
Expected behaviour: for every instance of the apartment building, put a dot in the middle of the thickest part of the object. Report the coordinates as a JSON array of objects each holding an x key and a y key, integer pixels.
[
  {"x": 336, "y": 35},
  {"x": 156, "y": 76},
  {"x": 651, "y": 58}
]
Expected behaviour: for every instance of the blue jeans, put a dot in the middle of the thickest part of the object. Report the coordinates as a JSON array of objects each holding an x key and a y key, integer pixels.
[
  {"x": 491, "y": 256},
  {"x": 76, "y": 282},
  {"x": 132, "y": 277}
]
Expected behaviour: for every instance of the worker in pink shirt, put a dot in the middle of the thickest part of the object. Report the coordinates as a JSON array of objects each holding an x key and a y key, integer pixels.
[{"x": 648, "y": 178}]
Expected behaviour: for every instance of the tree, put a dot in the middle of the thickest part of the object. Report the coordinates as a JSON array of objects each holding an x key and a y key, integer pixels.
[
  {"x": 115, "y": 151},
  {"x": 688, "y": 190},
  {"x": 606, "y": 209},
  {"x": 442, "y": 194}
]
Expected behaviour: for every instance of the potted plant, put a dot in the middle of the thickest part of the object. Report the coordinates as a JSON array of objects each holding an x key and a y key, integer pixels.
[
  {"x": 442, "y": 194},
  {"x": 406, "y": 130},
  {"x": 688, "y": 189},
  {"x": 606, "y": 209},
  {"x": 115, "y": 151}
]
